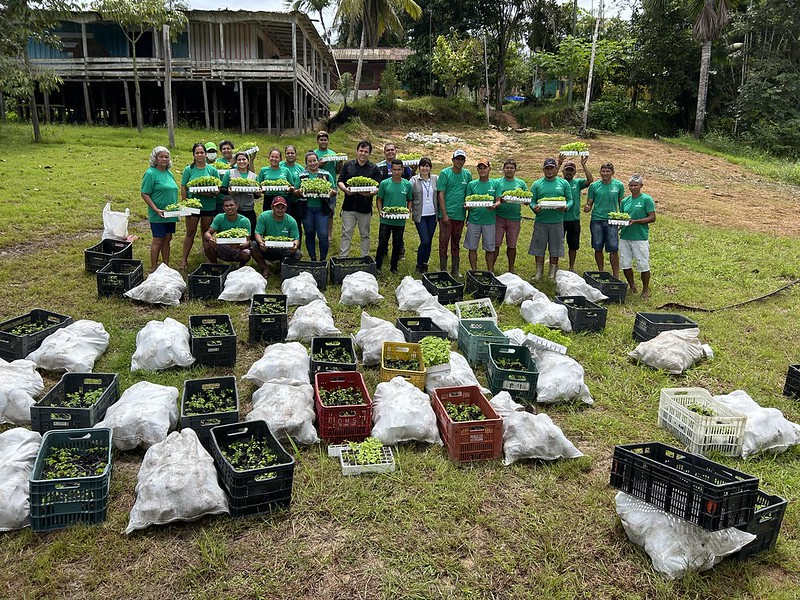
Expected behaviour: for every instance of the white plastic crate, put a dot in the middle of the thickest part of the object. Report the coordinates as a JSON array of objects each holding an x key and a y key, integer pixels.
[
  {"x": 482, "y": 301},
  {"x": 722, "y": 432},
  {"x": 345, "y": 456}
]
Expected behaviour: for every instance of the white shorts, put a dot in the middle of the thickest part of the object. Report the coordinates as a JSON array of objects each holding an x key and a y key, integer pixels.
[{"x": 638, "y": 250}]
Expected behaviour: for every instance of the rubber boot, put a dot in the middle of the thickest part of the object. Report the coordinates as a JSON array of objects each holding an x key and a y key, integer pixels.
[
  {"x": 539, "y": 271},
  {"x": 553, "y": 271},
  {"x": 443, "y": 262},
  {"x": 454, "y": 271}
]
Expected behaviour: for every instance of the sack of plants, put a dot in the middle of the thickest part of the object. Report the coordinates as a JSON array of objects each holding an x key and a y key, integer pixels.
[
  {"x": 161, "y": 345},
  {"x": 115, "y": 224},
  {"x": 20, "y": 383},
  {"x": 370, "y": 338},
  {"x": 242, "y": 284},
  {"x": 572, "y": 284},
  {"x": 444, "y": 318},
  {"x": 301, "y": 290},
  {"x": 460, "y": 374},
  {"x": 560, "y": 378},
  {"x": 143, "y": 416},
  {"x": 674, "y": 351},
  {"x": 411, "y": 294},
  {"x": 286, "y": 362},
  {"x": 73, "y": 349},
  {"x": 312, "y": 320},
  {"x": 360, "y": 289},
  {"x": 18, "y": 450},
  {"x": 517, "y": 289},
  {"x": 544, "y": 312},
  {"x": 402, "y": 412},
  {"x": 163, "y": 286},
  {"x": 288, "y": 409}
]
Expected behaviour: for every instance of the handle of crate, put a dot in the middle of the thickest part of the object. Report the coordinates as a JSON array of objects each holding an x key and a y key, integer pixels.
[
  {"x": 209, "y": 422},
  {"x": 592, "y": 314},
  {"x": 80, "y": 436},
  {"x": 330, "y": 343},
  {"x": 413, "y": 323},
  {"x": 237, "y": 432},
  {"x": 60, "y": 416},
  {"x": 347, "y": 414},
  {"x": 403, "y": 349},
  {"x": 337, "y": 379},
  {"x": 68, "y": 486},
  {"x": 506, "y": 350}
]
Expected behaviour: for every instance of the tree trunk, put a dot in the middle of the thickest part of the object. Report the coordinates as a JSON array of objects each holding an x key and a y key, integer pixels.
[
  {"x": 37, "y": 134},
  {"x": 357, "y": 82},
  {"x": 591, "y": 71},
  {"x": 702, "y": 89},
  {"x": 168, "y": 89},
  {"x": 138, "y": 94}
]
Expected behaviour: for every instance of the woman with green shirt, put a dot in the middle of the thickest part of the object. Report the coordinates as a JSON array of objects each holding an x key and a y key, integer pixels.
[
  {"x": 159, "y": 190},
  {"x": 272, "y": 173},
  {"x": 317, "y": 210},
  {"x": 245, "y": 201},
  {"x": 198, "y": 168}
]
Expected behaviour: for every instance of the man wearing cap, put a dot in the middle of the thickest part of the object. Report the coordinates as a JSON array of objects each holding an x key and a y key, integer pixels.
[
  {"x": 357, "y": 206},
  {"x": 604, "y": 197},
  {"x": 275, "y": 223},
  {"x": 230, "y": 219},
  {"x": 572, "y": 218},
  {"x": 481, "y": 221},
  {"x": 633, "y": 239},
  {"x": 331, "y": 167},
  {"x": 508, "y": 215},
  {"x": 548, "y": 230},
  {"x": 452, "y": 189}
]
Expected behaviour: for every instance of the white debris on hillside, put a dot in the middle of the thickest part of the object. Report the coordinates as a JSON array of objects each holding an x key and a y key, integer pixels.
[{"x": 434, "y": 138}]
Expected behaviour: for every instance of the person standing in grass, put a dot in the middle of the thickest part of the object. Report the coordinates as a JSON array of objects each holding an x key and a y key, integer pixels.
[
  {"x": 297, "y": 206},
  {"x": 452, "y": 189},
  {"x": 317, "y": 209},
  {"x": 548, "y": 230},
  {"x": 508, "y": 215},
  {"x": 572, "y": 219},
  {"x": 198, "y": 168},
  {"x": 323, "y": 151},
  {"x": 634, "y": 242},
  {"x": 159, "y": 190},
  {"x": 423, "y": 191},
  {"x": 272, "y": 173},
  {"x": 604, "y": 197},
  {"x": 357, "y": 206},
  {"x": 230, "y": 219},
  {"x": 395, "y": 191},
  {"x": 481, "y": 222}
]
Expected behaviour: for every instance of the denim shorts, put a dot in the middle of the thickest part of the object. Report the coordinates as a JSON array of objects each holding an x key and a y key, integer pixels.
[{"x": 604, "y": 235}]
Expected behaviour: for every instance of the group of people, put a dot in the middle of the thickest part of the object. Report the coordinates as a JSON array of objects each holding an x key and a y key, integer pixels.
[{"x": 432, "y": 200}]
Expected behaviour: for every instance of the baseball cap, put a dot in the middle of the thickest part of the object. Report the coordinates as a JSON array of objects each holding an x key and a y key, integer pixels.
[
  {"x": 211, "y": 146},
  {"x": 636, "y": 179},
  {"x": 570, "y": 165},
  {"x": 279, "y": 200},
  {"x": 483, "y": 161},
  {"x": 458, "y": 153},
  {"x": 550, "y": 162}
]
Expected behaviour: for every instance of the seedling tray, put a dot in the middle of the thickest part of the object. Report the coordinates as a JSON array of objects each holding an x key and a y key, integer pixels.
[
  {"x": 395, "y": 216},
  {"x": 765, "y": 524},
  {"x": 442, "y": 285},
  {"x": 119, "y": 276},
  {"x": 321, "y": 344},
  {"x": 403, "y": 351},
  {"x": 687, "y": 485},
  {"x": 518, "y": 199},
  {"x": 13, "y": 347},
  {"x": 230, "y": 241},
  {"x": 609, "y": 285},
  {"x": 584, "y": 315},
  {"x": 350, "y": 466},
  {"x": 278, "y": 244},
  {"x": 244, "y": 189},
  {"x": 217, "y": 350},
  {"x": 342, "y": 267},
  {"x": 646, "y": 326},
  {"x": 619, "y": 222},
  {"x": 539, "y": 343},
  {"x": 97, "y": 257},
  {"x": 203, "y": 189},
  {"x": 521, "y": 384},
  {"x": 273, "y": 189},
  {"x": 207, "y": 281},
  {"x": 460, "y": 306},
  {"x": 468, "y": 441},
  {"x": 49, "y": 413},
  {"x": 319, "y": 269},
  {"x": 203, "y": 423},
  {"x": 416, "y": 328},
  {"x": 791, "y": 387},
  {"x": 474, "y": 338},
  {"x": 352, "y": 422},
  {"x": 263, "y": 327},
  {"x": 479, "y": 204},
  {"x": 722, "y": 431},
  {"x": 475, "y": 284},
  {"x": 363, "y": 189},
  {"x": 552, "y": 204},
  {"x": 333, "y": 158}
]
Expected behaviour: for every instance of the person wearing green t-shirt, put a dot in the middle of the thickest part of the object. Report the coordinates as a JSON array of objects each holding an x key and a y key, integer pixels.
[
  {"x": 604, "y": 197},
  {"x": 572, "y": 219},
  {"x": 208, "y": 200},
  {"x": 452, "y": 189},
  {"x": 275, "y": 172},
  {"x": 317, "y": 209},
  {"x": 548, "y": 230},
  {"x": 508, "y": 214},
  {"x": 481, "y": 221},
  {"x": 331, "y": 167},
  {"x": 229, "y": 219},
  {"x": 159, "y": 190},
  {"x": 392, "y": 192},
  {"x": 275, "y": 223},
  {"x": 297, "y": 207},
  {"x": 634, "y": 244}
]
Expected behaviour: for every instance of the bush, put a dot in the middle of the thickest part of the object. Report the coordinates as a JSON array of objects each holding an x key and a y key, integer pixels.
[
  {"x": 424, "y": 111},
  {"x": 547, "y": 114}
]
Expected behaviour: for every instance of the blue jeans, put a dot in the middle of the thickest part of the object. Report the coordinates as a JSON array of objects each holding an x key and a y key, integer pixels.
[
  {"x": 604, "y": 234},
  {"x": 316, "y": 225},
  {"x": 426, "y": 228}
]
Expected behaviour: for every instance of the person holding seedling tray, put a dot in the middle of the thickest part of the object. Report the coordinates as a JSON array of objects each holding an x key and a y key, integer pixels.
[
  {"x": 159, "y": 190},
  {"x": 275, "y": 226},
  {"x": 208, "y": 200},
  {"x": 315, "y": 185},
  {"x": 548, "y": 230},
  {"x": 393, "y": 194},
  {"x": 229, "y": 221},
  {"x": 276, "y": 176},
  {"x": 482, "y": 220},
  {"x": 240, "y": 178}
]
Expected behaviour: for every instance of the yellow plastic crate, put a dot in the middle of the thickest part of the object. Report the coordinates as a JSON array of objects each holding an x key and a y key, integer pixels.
[{"x": 403, "y": 351}]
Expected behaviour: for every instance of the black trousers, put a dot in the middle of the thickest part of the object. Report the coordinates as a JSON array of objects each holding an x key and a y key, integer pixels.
[{"x": 384, "y": 233}]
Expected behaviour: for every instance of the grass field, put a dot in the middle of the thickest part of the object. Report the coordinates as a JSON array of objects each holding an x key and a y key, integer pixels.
[{"x": 431, "y": 529}]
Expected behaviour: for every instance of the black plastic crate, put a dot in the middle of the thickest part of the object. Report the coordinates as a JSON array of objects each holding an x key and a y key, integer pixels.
[
  {"x": 266, "y": 327},
  {"x": 475, "y": 284},
  {"x": 584, "y": 315},
  {"x": 119, "y": 276},
  {"x": 318, "y": 268},
  {"x": 609, "y": 285},
  {"x": 792, "y": 386},
  {"x": 689, "y": 486},
  {"x": 521, "y": 384},
  {"x": 207, "y": 281},
  {"x": 646, "y": 326},
  {"x": 217, "y": 350},
  {"x": 13, "y": 346},
  {"x": 258, "y": 505},
  {"x": 444, "y": 286},
  {"x": 50, "y": 413},
  {"x": 203, "y": 423},
  {"x": 765, "y": 525},
  {"x": 416, "y": 328},
  {"x": 97, "y": 257},
  {"x": 320, "y": 344},
  {"x": 342, "y": 267}
]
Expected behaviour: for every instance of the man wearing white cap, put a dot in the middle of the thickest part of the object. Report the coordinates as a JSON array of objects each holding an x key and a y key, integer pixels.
[
  {"x": 452, "y": 189},
  {"x": 634, "y": 242},
  {"x": 548, "y": 230}
]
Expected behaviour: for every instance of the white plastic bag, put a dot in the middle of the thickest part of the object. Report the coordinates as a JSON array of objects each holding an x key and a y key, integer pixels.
[
  {"x": 143, "y": 416},
  {"x": 517, "y": 289},
  {"x": 675, "y": 546},
  {"x": 560, "y": 378},
  {"x": 20, "y": 383},
  {"x": 526, "y": 435},
  {"x": 673, "y": 351},
  {"x": 289, "y": 362},
  {"x": 162, "y": 286},
  {"x": 441, "y": 316},
  {"x": 541, "y": 310},
  {"x": 177, "y": 482},
  {"x": 402, "y": 412},
  {"x": 301, "y": 289},
  {"x": 766, "y": 430},
  {"x": 161, "y": 345},
  {"x": 411, "y": 294},
  {"x": 288, "y": 409},
  {"x": 360, "y": 289},
  {"x": 572, "y": 284},
  {"x": 242, "y": 284},
  {"x": 115, "y": 224},
  {"x": 73, "y": 349},
  {"x": 312, "y": 320},
  {"x": 18, "y": 450},
  {"x": 460, "y": 373},
  {"x": 370, "y": 338}
]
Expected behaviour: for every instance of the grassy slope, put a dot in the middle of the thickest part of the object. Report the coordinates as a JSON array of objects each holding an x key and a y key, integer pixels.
[{"x": 431, "y": 530}]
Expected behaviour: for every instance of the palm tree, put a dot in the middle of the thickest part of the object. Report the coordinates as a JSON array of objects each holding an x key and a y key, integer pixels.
[
  {"x": 710, "y": 18},
  {"x": 318, "y": 6}
]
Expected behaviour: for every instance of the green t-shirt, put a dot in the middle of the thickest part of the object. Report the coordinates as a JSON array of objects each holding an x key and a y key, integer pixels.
[
  {"x": 576, "y": 184},
  {"x": 509, "y": 210},
  {"x": 315, "y": 202},
  {"x": 330, "y": 167},
  {"x": 606, "y": 198},
  {"x": 267, "y": 174},
  {"x": 394, "y": 193},
  {"x": 192, "y": 172},
  {"x": 482, "y": 216},
  {"x": 454, "y": 186},
  {"x": 267, "y": 226},
  {"x": 543, "y": 189},
  {"x": 637, "y": 208},
  {"x": 163, "y": 191},
  {"x": 221, "y": 223},
  {"x": 294, "y": 170}
]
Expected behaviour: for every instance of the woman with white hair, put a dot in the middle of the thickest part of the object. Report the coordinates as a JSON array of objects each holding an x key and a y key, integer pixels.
[{"x": 159, "y": 190}]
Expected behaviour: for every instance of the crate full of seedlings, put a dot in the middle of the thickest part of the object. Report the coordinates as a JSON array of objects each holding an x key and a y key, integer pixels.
[
  {"x": 70, "y": 479},
  {"x": 318, "y": 268},
  {"x": 476, "y": 310},
  {"x": 119, "y": 276},
  {"x": 79, "y": 400},
  {"x": 97, "y": 257},
  {"x": 255, "y": 470},
  {"x": 207, "y": 281},
  {"x": 344, "y": 406},
  {"x": 212, "y": 340},
  {"x": 207, "y": 403},
  {"x": 268, "y": 318},
  {"x": 687, "y": 485},
  {"x": 416, "y": 328},
  {"x": 646, "y": 326},
  {"x": 765, "y": 524},
  {"x": 584, "y": 315},
  {"x": 512, "y": 369},
  {"x": 435, "y": 354},
  {"x": 470, "y": 428},
  {"x": 332, "y": 354},
  {"x": 700, "y": 422},
  {"x": 22, "y": 335},
  {"x": 444, "y": 286},
  {"x": 403, "y": 359},
  {"x": 791, "y": 387},
  {"x": 342, "y": 267},
  {"x": 474, "y": 338},
  {"x": 484, "y": 284},
  {"x": 609, "y": 285},
  {"x": 368, "y": 457}
]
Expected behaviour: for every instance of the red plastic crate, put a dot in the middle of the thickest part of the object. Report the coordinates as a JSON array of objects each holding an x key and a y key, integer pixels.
[
  {"x": 343, "y": 423},
  {"x": 468, "y": 440}
]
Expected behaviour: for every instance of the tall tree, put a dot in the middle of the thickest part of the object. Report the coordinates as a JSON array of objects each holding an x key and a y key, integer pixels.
[{"x": 317, "y": 6}]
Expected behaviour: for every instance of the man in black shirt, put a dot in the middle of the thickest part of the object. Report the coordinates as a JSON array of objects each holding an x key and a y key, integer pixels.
[{"x": 357, "y": 206}]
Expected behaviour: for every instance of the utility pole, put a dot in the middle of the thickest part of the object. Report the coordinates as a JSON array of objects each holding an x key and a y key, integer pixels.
[
  {"x": 574, "y": 32},
  {"x": 486, "y": 71},
  {"x": 591, "y": 68}
]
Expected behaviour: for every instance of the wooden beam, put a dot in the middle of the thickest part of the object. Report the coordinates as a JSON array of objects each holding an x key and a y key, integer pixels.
[
  {"x": 87, "y": 103},
  {"x": 215, "y": 107},
  {"x": 127, "y": 103},
  {"x": 103, "y": 106},
  {"x": 241, "y": 106},
  {"x": 205, "y": 105},
  {"x": 221, "y": 42},
  {"x": 295, "y": 99},
  {"x": 47, "y": 108},
  {"x": 269, "y": 108}
]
